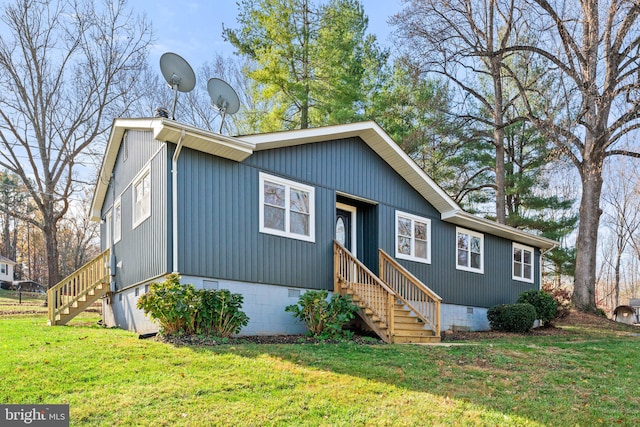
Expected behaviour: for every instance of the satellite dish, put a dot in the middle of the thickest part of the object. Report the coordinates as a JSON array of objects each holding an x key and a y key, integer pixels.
[
  {"x": 179, "y": 74},
  {"x": 223, "y": 97}
]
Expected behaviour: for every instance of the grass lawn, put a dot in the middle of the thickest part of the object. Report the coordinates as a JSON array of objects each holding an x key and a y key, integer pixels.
[{"x": 586, "y": 377}]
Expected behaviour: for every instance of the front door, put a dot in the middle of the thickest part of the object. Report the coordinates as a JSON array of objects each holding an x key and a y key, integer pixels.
[{"x": 345, "y": 226}]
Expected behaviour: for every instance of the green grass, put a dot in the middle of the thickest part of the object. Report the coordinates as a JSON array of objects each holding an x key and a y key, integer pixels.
[
  {"x": 29, "y": 303},
  {"x": 110, "y": 377}
]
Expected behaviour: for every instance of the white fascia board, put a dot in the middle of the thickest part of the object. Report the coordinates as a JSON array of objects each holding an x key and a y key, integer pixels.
[
  {"x": 467, "y": 220},
  {"x": 201, "y": 140},
  {"x": 164, "y": 130}
]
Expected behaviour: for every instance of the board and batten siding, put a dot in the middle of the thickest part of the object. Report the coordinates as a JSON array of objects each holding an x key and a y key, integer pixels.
[
  {"x": 142, "y": 252},
  {"x": 219, "y": 226}
]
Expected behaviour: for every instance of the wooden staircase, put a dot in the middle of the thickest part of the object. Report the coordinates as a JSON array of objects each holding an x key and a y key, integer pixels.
[
  {"x": 78, "y": 291},
  {"x": 396, "y": 306}
]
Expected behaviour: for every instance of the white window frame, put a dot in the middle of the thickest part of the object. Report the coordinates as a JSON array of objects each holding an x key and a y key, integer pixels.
[
  {"x": 146, "y": 172},
  {"x": 108, "y": 226},
  {"x": 117, "y": 220},
  {"x": 4, "y": 269},
  {"x": 468, "y": 266},
  {"x": 513, "y": 261},
  {"x": 289, "y": 185},
  {"x": 413, "y": 219}
]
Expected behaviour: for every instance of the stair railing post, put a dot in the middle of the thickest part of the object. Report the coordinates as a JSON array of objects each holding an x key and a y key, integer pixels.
[
  {"x": 50, "y": 306},
  {"x": 437, "y": 318},
  {"x": 336, "y": 268},
  {"x": 392, "y": 313}
]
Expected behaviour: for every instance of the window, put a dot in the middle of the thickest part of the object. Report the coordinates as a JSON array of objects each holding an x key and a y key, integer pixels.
[
  {"x": 413, "y": 237},
  {"x": 522, "y": 263},
  {"x": 286, "y": 208},
  {"x": 117, "y": 221},
  {"x": 142, "y": 198},
  {"x": 108, "y": 223},
  {"x": 4, "y": 268},
  {"x": 469, "y": 251}
]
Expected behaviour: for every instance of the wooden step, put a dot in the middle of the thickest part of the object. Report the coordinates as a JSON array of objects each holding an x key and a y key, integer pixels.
[
  {"x": 410, "y": 327},
  {"x": 80, "y": 304},
  {"x": 415, "y": 340}
]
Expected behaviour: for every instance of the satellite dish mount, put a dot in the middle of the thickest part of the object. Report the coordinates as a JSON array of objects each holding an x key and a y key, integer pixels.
[
  {"x": 178, "y": 74},
  {"x": 223, "y": 98}
]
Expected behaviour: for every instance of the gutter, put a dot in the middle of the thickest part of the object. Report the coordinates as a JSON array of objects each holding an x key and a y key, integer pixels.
[
  {"x": 174, "y": 201},
  {"x": 542, "y": 252}
]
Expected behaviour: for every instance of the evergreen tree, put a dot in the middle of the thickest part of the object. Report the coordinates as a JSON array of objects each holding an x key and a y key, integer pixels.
[{"x": 312, "y": 65}]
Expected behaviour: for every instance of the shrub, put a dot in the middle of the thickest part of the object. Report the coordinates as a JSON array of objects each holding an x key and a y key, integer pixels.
[
  {"x": 172, "y": 304},
  {"x": 543, "y": 302},
  {"x": 562, "y": 296},
  {"x": 324, "y": 319},
  {"x": 181, "y": 309},
  {"x": 512, "y": 317},
  {"x": 219, "y": 313}
]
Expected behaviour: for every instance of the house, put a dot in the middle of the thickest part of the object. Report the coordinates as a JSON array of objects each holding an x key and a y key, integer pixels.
[
  {"x": 270, "y": 216},
  {"x": 6, "y": 270}
]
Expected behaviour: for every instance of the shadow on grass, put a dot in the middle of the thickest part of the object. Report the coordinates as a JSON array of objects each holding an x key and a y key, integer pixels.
[{"x": 550, "y": 380}]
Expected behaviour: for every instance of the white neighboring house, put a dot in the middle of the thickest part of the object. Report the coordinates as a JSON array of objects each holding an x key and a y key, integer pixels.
[{"x": 6, "y": 269}]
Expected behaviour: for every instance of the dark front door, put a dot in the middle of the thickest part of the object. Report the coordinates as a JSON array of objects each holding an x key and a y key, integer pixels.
[{"x": 343, "y": 228}]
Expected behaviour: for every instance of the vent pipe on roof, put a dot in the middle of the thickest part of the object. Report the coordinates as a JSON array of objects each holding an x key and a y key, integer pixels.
[{"x": 161, "y": 112}]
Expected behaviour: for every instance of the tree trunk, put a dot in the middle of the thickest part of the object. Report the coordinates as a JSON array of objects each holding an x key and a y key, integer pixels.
[
  {"x": 50, "y": 233},
  {"x": 498, "y": 136},
  {"x": 500, "y": 177},
  {"x": 584, "y": 297}
]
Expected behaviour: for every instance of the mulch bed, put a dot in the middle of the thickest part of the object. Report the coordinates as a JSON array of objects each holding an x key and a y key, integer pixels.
[
  {"x": 575, "y": 318},
  {"x": 197, "y": 340}
]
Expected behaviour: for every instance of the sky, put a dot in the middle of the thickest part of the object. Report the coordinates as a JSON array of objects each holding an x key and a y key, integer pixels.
[{"x": 193, "y": 29}]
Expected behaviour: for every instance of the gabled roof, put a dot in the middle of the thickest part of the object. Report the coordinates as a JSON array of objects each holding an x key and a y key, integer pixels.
[
  {"x": 164, "y": 130},
  {"x": 239, "y": 148},
  {"x": 6, "y": 260},
  {"x": 376, "y": 138}
]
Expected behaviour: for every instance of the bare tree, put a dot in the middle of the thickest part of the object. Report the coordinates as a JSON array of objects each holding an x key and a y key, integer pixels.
[
  {"x": 594, "y": 47},
  {"x": 198, "y": 109},
  {"x": 465, "y": 41},
  {"x": 68, "y": 68},
  {"x": 622, "y": 217},
  {"x": 592, "y": 50}
]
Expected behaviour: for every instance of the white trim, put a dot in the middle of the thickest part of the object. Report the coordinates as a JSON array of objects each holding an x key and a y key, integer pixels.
[
  {"x": 238, "y": 149},
  {"x": 467, "y": 220},
  {"x": 532, "y": 263},
  {"x": 174, "y": 201},
  {"x": 117, "y": 227},
  {"x": 413, "y": 219},
  {"x": 138, "y": 179},
  {"x": 289, "y": 185},
  {"x": 108, "y": 224},
  {"x": 468, "y": 267},
  {"x": 354, "y": 233}
]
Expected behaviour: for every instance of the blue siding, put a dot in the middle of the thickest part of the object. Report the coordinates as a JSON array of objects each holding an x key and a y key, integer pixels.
[
  {"x": 143, "y": 250},
  {"x": 219, "y": 225}
]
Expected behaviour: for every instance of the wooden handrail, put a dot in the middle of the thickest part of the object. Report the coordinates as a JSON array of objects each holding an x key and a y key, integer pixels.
[
  {"x": 373, "y": 293},
  {"x": 78, "y": 284},
  {"x": 416, "y": 295}
]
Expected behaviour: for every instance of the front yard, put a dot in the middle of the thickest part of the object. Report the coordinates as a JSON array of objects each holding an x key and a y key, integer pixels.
[{"x": 585, "y": 376}]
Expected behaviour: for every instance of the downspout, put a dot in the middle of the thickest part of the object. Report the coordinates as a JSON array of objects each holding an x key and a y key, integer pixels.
[
  {"x": 174, "y": 201},
  {"x": 110, "y": 245}
]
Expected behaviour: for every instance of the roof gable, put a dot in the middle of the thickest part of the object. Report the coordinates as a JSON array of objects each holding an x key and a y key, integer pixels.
[
  {"x": 7, "y": 260},
  {"x": 239, "y": 148}
]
